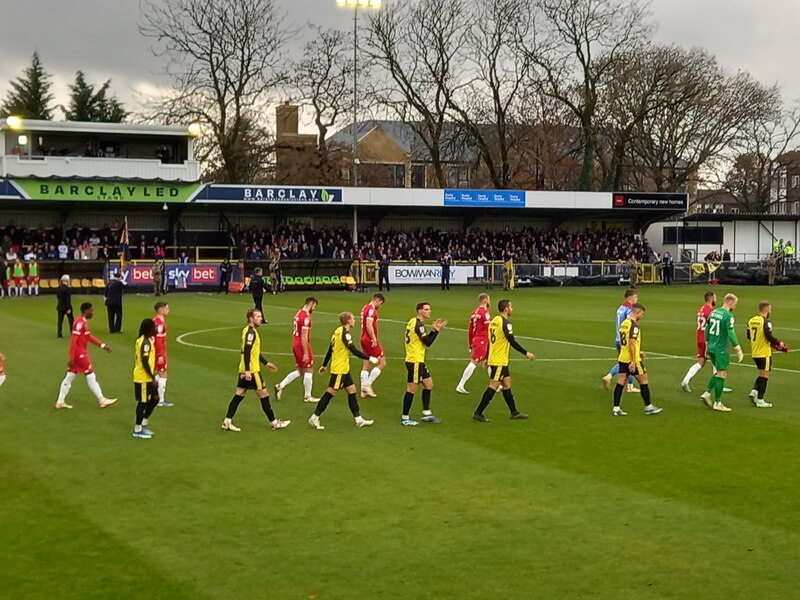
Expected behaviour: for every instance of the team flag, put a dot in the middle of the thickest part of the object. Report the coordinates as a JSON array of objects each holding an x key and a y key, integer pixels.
[{"x": 124, "y": 246}]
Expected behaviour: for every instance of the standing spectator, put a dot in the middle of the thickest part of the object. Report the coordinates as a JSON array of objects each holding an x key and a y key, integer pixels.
[
  {"x": 257, "y": 289},
  {"x": 667, "y": 266},
  {"x": 726, "y": 256},
  {"x": 772, "y": 267},
  {"x": 64, "y": 306},
  {"x": 445, "y": 261},
  {"x": 158, "y": 277},
  {"x": 633, "y": 272},
  {"x": 114, "y": 303},
  {"x": 225, "y": 270},
  {"x": 183, "y": 259},
  {"x": 63, "y": 250},
  {"x": 788, "y": 251},
  {"x": 142, "y": 246},
  {"x": 383, "y": 272},
  {"x": 275, "y": 270}
]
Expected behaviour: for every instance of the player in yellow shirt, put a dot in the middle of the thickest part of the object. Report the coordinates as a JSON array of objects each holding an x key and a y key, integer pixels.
[
  {"x": 762, "y": 341},
  {"x": 144, "y": 378},
  {"x": 250, "y": 374},
  {"x": 631, "y": 362},
  {"x": 501, "y": 340},
  {"x": 338, "y": 357},
  {"x": 416, "y": 341}
]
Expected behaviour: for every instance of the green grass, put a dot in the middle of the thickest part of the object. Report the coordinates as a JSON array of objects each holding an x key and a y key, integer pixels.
[{"x": 570, "y": 504}]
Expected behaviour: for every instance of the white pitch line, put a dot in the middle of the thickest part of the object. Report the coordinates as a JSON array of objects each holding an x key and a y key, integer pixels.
[{"x": 651, "y": 355}]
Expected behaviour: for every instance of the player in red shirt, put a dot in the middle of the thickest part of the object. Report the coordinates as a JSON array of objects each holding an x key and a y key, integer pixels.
[
  {"x": 370, "y": 345},
  {"x": 2, "y": 368},
  {"x": 702, "y": 318},
  {"x": 478, "y": 337},
  {"x": 303, "y": 352},
  {"x": 79, "y": 361},
  {"x": 160, "y": 320}
]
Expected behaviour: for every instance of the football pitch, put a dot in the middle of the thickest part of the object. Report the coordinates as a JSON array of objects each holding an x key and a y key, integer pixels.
[{"x": 571, "y": 503}]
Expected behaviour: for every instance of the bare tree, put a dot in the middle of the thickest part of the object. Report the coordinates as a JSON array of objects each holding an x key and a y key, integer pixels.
[
  {"x": 225, "y": 58},
  {"x": 579, "y": 43},
  {"x": 750, "y": 169},
  {"x": 705, "y": 114},
  {"x": 640, "y": 83},
  {"x": 416, "y": 47},
  {"x": 322, "y": 78},
  {"x": 489, "y": 105}
]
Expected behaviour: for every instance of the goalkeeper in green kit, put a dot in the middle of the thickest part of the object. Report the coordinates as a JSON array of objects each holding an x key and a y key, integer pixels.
[{"x": 719, "y": 332}]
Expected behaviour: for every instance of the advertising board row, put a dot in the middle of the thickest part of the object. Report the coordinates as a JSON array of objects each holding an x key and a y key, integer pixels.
[{"x": 202, "y": 193}]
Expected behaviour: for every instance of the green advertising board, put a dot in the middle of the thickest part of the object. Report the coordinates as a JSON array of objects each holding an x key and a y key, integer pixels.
[{"x": 122, "y": 191}]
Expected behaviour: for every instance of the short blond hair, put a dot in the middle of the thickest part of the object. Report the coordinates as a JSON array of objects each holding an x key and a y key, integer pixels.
[
  {"x": 345, "y": 317},
  {"x": 731, "y": 298}
]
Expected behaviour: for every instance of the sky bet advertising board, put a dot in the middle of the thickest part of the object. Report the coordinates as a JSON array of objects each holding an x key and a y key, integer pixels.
[{"x": 177, "y": 276}]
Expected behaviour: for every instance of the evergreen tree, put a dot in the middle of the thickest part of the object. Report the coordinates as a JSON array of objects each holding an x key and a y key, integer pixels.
[
  {"x": 86, "y": 104},
  {"x": 29, "y": 96}
]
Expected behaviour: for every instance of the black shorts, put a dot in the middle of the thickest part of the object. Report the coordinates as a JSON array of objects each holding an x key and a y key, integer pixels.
[
  {"x": 763, "y": 363},
  {"x": 256, "y": 383},
  {"x": 637, "y": 370},
  {"x": 498, "y": 372},
  {"x": 144, "y": 392},
  {"x": 340, "y": 381},
  {"x": 417, "y": 372}
]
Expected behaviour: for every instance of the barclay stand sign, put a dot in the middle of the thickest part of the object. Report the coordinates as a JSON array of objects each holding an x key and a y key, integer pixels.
[{"x": 105, "y": 190}]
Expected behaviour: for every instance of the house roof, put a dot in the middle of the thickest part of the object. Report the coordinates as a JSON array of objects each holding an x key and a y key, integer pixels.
[{"x": 452, "y": 149}]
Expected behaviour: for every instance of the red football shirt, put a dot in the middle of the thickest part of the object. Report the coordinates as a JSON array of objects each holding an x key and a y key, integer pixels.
[
  {"x": 81, "y": 336},
  {"x": 302, "y": 320},
  {"x": 702, "y": 319},
  {"x": 479, "y": 324},
  {"x": 161, "y": 336},
  {"x": 369, "y": 312}
]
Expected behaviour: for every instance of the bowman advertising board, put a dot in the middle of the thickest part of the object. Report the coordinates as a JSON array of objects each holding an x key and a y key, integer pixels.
[{"x": 421, "y": 274}]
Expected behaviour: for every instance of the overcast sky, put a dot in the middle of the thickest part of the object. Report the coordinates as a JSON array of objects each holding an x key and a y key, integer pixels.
[{"x": 100, "y": 37}]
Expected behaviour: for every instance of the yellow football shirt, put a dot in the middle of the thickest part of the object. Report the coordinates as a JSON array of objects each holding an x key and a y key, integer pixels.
[
  {"x": 415, "y": 348},
  {"x": 757, "y": 329},
  {"x": 251, "y": 351},
  {"x": 499, "y": 329},
  {"x": 143, "y": 354},
  {"x": 629, "y": 330}
]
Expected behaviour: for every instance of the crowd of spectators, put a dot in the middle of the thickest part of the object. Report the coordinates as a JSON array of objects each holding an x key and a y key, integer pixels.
[
  {"x": 475, "y": 245},
  {"x": 525, "y": 245},
  {"x": 76, "y": 243}
]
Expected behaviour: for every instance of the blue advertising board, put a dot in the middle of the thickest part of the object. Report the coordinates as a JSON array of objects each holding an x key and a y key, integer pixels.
[
  {"x": 267, "y": 194},
  {"x": 485, "y": 198}
]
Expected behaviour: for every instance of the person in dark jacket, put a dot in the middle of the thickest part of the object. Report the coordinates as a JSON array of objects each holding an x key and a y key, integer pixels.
[
  {"x": 257, "y": 288},
  {"x": 383, "y": 272},
  {"x": 64, "y": 306},
  {"x": 114, "y": 303},
  {"x": 225, "y": 272}
]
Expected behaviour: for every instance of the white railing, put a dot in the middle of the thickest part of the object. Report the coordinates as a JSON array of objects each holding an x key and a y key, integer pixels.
[{"x": 84, "y": 166}]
